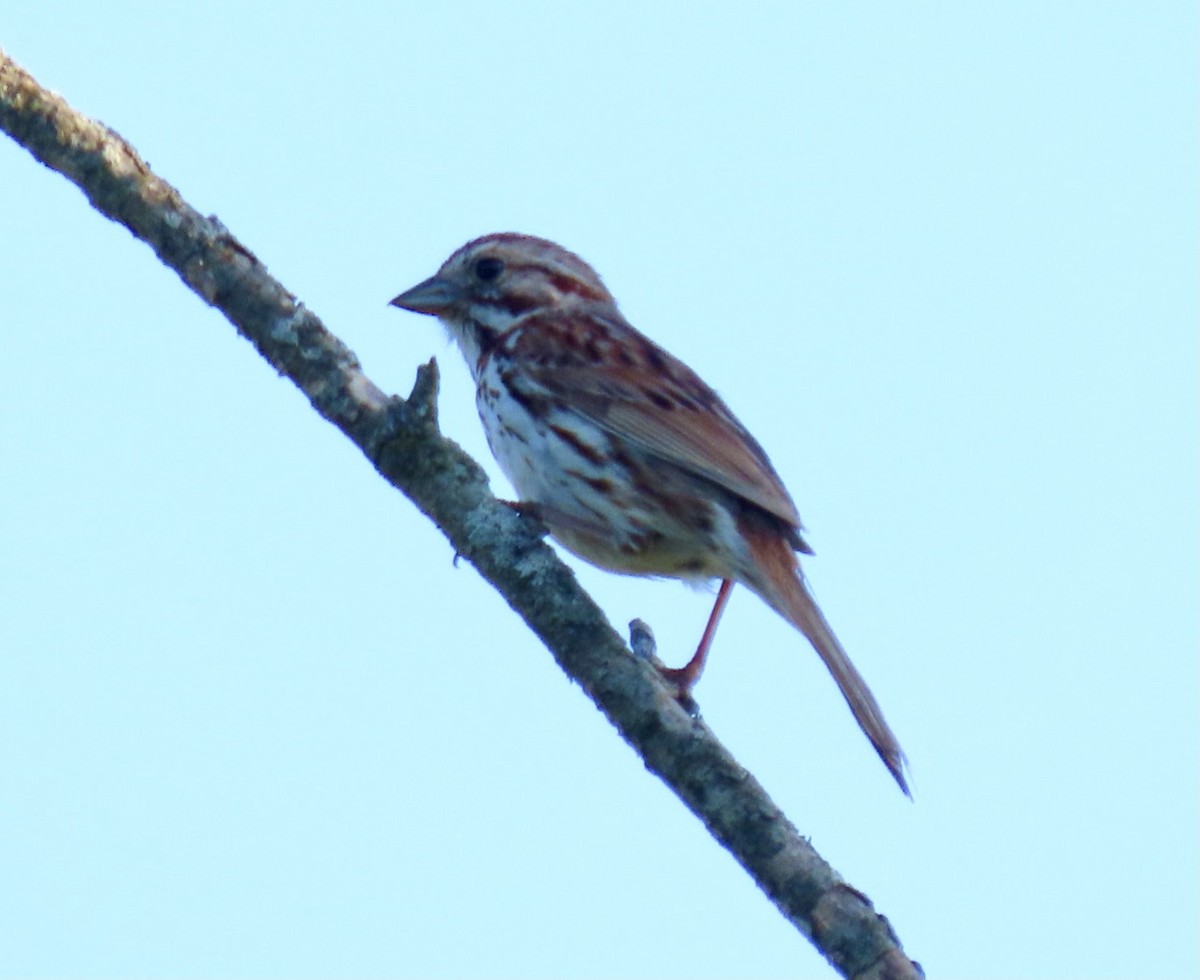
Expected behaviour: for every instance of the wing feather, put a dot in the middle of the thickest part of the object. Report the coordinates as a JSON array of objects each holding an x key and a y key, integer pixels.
[{"x": 648, "y": 397}]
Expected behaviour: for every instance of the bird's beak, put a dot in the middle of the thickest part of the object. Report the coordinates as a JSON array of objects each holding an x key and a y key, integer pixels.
[{"x": 433, "y": 296}]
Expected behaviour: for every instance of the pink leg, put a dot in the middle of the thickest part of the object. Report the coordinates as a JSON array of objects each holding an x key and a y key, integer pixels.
[{"x": 685, "y": 677}]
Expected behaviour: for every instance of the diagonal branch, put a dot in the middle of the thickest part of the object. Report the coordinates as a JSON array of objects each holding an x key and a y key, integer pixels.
[{"x": 401, "y": 439}]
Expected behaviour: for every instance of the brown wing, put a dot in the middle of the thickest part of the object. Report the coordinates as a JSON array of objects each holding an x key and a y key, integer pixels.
[{"x": 621, "y": 380}]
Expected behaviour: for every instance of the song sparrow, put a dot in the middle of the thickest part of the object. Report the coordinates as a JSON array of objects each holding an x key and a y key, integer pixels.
[{"x": 630, "y": 460}]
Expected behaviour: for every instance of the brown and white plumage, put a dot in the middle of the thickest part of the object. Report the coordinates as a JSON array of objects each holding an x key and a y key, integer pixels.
[{"x": 632, "y": 461}]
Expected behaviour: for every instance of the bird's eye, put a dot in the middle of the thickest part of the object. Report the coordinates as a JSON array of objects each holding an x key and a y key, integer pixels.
[{"x": 489, "y": 269}]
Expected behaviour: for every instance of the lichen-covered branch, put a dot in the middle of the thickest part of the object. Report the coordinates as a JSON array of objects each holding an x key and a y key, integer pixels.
[{"x": 400, "y": 437}]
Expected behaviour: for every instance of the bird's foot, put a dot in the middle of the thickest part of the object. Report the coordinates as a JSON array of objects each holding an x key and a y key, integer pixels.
[{"x": 681, "y": 679}]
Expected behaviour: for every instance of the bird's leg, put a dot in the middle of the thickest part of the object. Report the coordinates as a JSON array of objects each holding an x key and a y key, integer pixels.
[
  {"x": 550, "y": 518},
  {"x": 526, "y": 508},
  {"x": 684, "y": 678}
]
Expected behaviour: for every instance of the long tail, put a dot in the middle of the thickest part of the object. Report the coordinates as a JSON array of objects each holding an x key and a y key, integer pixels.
[{"x": 777, "y": 579}]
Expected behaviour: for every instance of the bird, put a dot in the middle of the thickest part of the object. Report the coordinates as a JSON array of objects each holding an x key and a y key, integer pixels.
[{"x": 629, "y": 459}]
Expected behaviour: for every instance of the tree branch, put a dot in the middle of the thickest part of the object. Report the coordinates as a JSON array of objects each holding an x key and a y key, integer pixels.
[{"x": 401, "y": 438}]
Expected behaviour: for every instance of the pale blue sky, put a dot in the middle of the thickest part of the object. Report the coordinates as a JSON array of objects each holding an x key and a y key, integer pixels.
[{"x": 940, "y": 259}]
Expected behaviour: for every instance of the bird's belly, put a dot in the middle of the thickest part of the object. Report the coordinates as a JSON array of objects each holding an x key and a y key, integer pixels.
[{"x": 598, "y": 497}]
